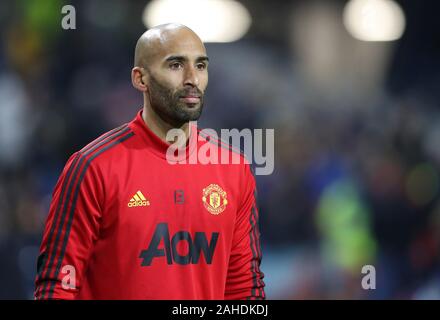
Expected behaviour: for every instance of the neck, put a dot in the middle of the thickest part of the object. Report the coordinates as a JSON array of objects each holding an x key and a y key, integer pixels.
[{"x": 159, "y": 126}]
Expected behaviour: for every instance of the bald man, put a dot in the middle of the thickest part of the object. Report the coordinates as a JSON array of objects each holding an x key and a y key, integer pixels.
[
  {"x": 171, "y": 70},
  {"x": 125, "y": 222}
]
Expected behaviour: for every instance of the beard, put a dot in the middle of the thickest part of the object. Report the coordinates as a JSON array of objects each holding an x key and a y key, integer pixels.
[{"x": 170, "y": 108}]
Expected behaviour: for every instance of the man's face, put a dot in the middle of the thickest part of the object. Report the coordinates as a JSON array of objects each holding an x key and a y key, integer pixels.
[{"x": 178, "y": 77}]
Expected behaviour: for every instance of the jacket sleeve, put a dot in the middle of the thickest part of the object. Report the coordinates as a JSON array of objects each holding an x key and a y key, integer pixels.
[
  {"x": 71, "y": 229},
  {"x": 245, "y": 279}
]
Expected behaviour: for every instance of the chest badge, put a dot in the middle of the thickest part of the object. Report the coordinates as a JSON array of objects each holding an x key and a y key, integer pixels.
[{"x": 214, "y": 199}]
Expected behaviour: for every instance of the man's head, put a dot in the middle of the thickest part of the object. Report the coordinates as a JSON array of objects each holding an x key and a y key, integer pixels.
[{"x": 170, "y": 67}]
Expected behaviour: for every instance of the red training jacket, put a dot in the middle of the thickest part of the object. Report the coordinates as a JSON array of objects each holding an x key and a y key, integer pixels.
[{"x": 124, "y": 223}]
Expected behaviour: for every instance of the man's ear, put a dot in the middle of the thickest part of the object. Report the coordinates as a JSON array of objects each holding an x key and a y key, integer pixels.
[{"x": 139, "y": 79}]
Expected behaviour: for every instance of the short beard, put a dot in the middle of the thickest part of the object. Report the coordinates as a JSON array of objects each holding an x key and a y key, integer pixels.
[{"x": 168, "y": 106}]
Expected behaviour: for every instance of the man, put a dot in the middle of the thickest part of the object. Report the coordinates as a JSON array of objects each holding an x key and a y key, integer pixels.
[{"x": 125, "y": 223}]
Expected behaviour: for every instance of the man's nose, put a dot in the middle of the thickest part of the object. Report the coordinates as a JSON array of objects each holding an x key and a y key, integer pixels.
[{"x": 191, "y": 77}]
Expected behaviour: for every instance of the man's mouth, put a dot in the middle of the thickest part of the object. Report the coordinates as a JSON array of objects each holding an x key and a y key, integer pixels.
[{"x": 190, "y": 98}]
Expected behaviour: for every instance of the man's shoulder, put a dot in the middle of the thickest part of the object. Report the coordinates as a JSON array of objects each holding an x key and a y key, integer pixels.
[{"x": 109, "y": 143}]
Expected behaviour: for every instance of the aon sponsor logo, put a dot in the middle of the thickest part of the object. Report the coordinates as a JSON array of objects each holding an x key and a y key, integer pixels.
[{"x": 194, "y": 247}]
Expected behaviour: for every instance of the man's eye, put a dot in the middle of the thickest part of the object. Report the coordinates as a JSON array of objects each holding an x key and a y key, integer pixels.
[
  {"x": 175, "y": 65},
  {"x": 201, "y": 66}
]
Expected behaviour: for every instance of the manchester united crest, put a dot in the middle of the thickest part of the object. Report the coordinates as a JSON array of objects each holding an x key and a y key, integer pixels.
[{"x": 214, "y": 199}]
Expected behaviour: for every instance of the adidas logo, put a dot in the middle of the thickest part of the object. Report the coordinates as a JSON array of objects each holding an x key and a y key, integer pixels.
[{"x": 138, "y": 200}]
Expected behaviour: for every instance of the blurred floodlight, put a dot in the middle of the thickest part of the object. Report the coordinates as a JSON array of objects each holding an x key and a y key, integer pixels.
[
  {"x": 374, "y": 20},
  {"x": 212, "y": 20}
]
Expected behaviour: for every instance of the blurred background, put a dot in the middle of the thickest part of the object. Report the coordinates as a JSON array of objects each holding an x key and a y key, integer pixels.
[{"x": 352, "y": 89}]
